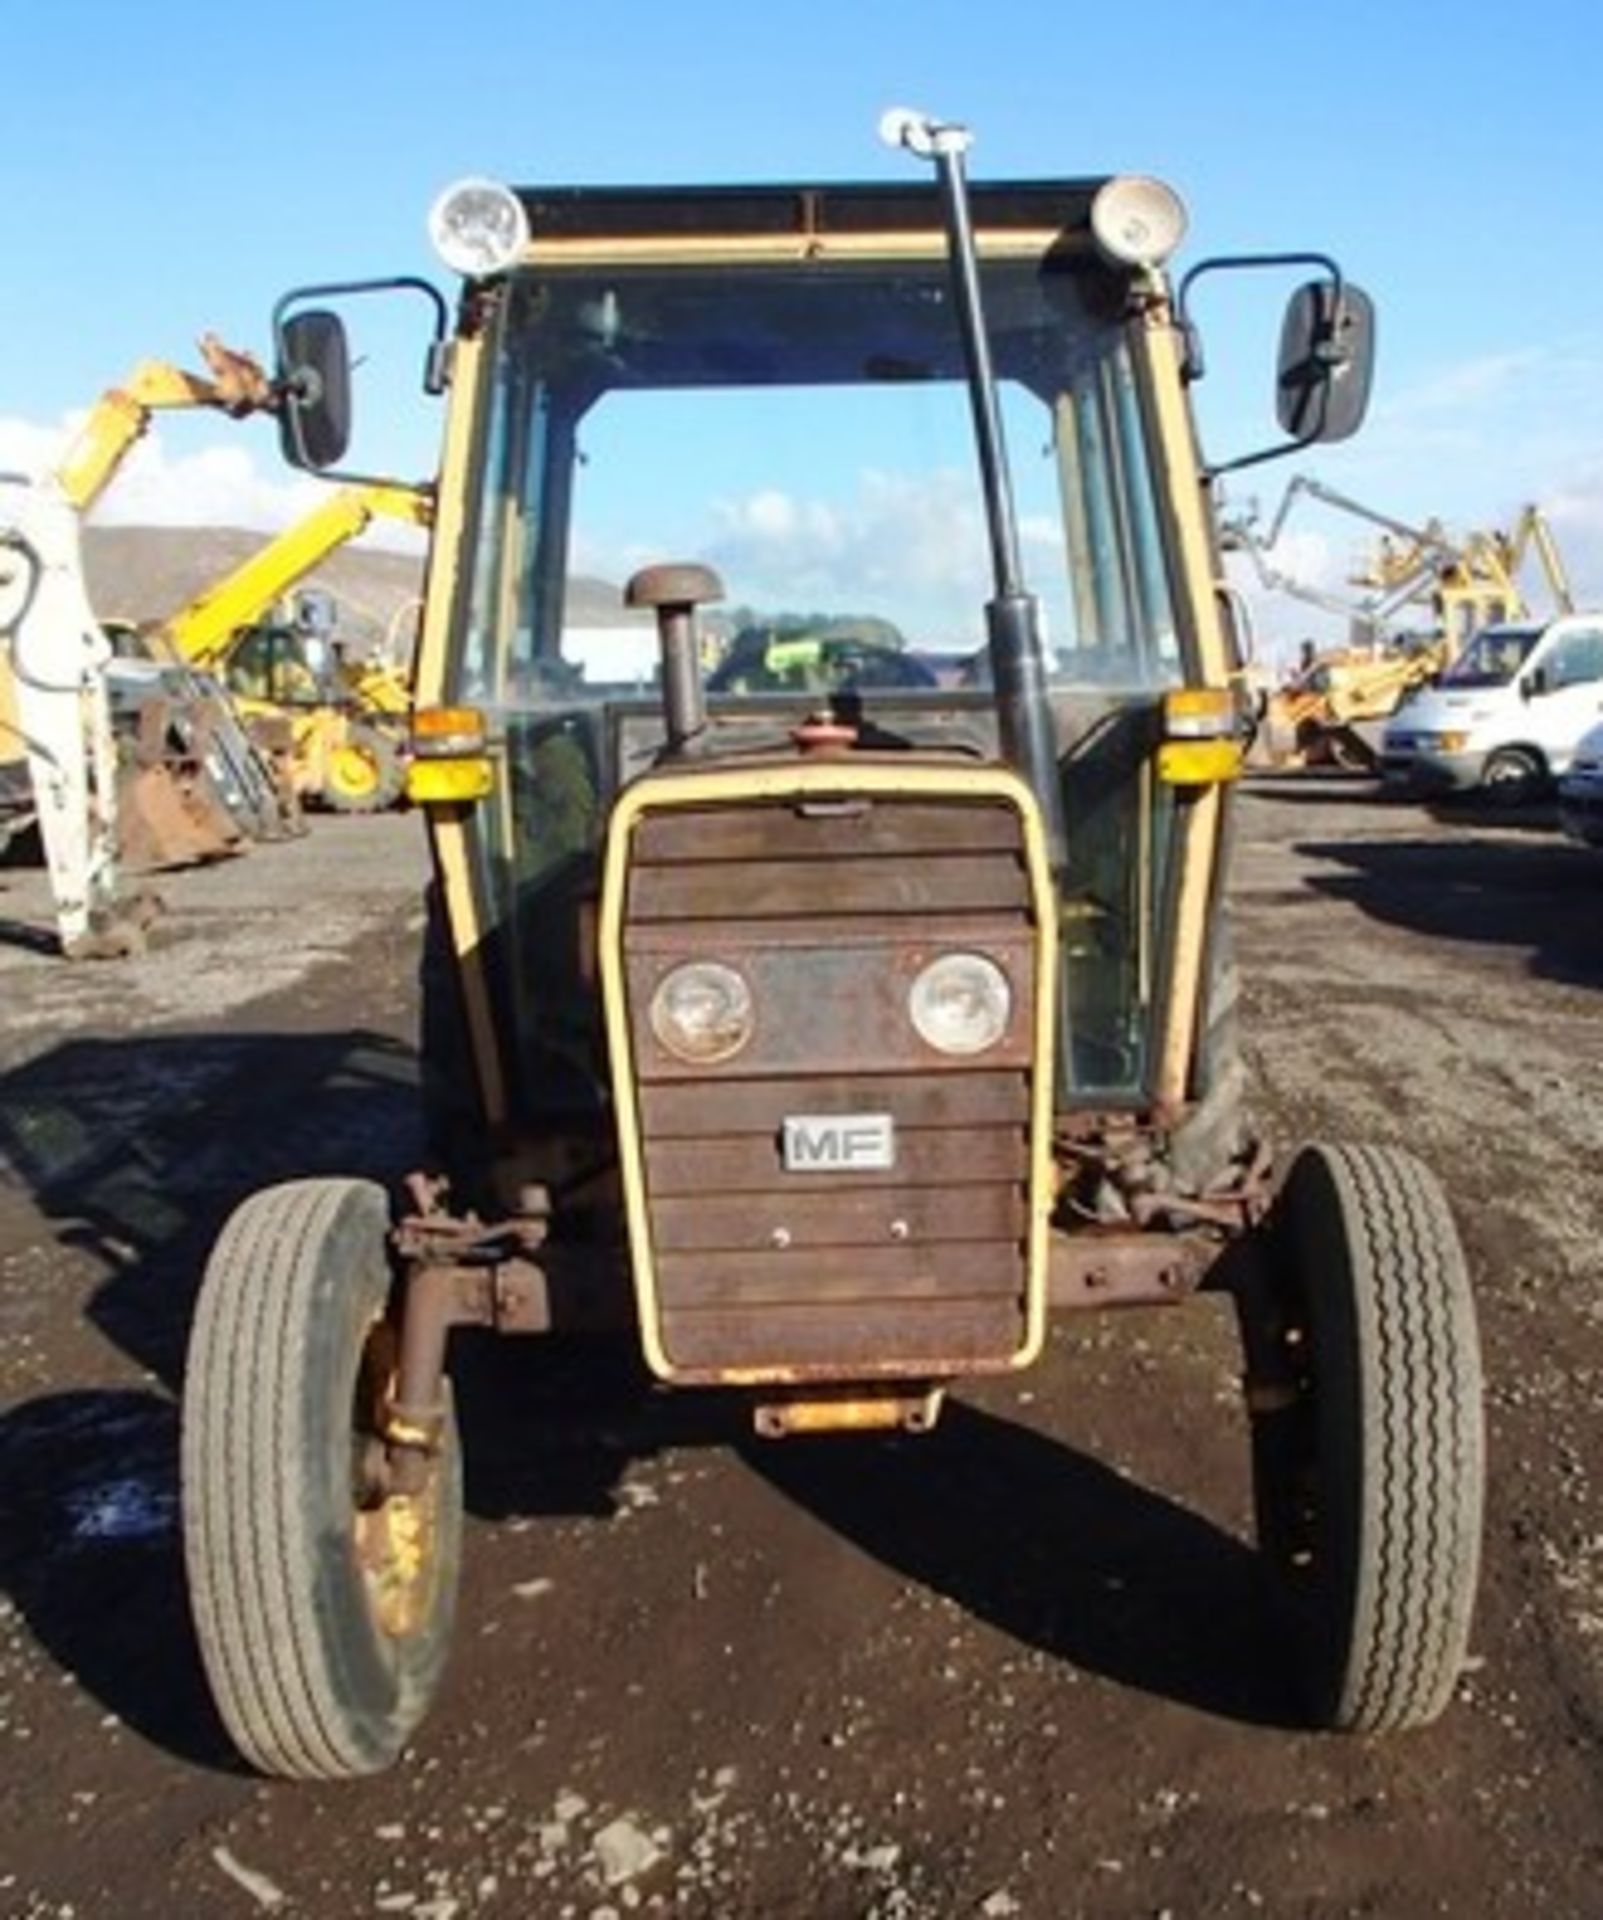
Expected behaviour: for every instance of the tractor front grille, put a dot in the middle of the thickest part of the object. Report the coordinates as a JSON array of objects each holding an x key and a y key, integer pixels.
[{"x": 829, "y": 910}]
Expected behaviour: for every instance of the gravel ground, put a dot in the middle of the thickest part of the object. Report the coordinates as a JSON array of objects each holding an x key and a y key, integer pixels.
[{"x": 1016, "y": 1669}]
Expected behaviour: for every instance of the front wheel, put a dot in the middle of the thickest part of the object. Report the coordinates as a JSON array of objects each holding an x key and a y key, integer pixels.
[
  {"x": 1368, "y": 1450},
  {"x": 322, "y": 1604},
  {"x": 363, "y": 773},
  {"x": 1512, "y": 776}
]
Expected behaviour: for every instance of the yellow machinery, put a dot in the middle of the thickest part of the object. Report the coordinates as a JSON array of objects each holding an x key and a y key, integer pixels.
[
  {"x": 172, "y": 776},
  {"x": 1333, "y": 707},
  {"x": 1469, "y": 583},
  {"x": 345, "y": 720},
  {"x": 1325, "y": 713}
]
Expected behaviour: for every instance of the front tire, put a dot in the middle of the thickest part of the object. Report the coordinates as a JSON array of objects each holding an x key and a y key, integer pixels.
[
  {"x": 1513, "y": 776},
  {"x": 323, "y": 1609},
  {"x": 364, "y": 773},
  {"x": 1369, "y": 1459}
]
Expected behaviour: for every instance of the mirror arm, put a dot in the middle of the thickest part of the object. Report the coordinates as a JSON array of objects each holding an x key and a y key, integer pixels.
[
  {"x": 1239, "y": 262},
  {"x": 1276, "y": 452},
  {"x": 334, "y": 289},
  {"x": 1191, "y": 337}
]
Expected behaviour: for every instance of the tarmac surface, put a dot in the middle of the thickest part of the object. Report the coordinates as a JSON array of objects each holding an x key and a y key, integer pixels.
[{"x": 1018, "y": 1668}]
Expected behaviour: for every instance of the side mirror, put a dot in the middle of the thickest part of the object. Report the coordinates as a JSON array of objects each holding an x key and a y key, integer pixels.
[
  {"x": 314, "y": 373},
  {"x": 1327, "y": 354},
  {"x": 1534, "y": 684},
  {"x": 314, "y": 365},
  {"x": 1327, "y": 361}
]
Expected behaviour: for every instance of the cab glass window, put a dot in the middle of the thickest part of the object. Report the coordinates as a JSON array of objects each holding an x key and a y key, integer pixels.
[{"x": 1577, "y": 660}]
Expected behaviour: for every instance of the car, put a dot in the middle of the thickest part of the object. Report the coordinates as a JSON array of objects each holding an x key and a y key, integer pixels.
[
  {"x": 1580, "y": 793},
  {"x": 831, "y": 661}
]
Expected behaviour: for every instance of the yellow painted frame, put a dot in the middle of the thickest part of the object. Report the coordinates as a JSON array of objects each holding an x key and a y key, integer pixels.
[
  {"x": 448, "y": 820},
  {"x": 801, "y": 779},
  {"x": 1181, "y": 497},
  {"x": 757, "y": 249}
]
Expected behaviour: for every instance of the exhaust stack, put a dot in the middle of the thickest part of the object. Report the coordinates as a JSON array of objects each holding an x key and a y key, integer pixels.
[{"x": 675, "y": 590}]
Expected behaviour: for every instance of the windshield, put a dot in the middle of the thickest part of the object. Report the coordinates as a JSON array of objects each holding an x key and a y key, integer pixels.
[
  {"x": 1492, "y": 658},
  {"x": 807, "y": 434}
]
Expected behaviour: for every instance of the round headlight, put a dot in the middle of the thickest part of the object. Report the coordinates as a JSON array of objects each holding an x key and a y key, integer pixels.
[
  {"x": 1137, "y": 222},
  {"x": 961, "y": 1003},
  {"x": 702, "y": 1013},
  {"x": 478, "y": 227}
]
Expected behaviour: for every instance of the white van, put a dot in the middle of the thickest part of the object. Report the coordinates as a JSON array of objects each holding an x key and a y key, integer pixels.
[{"x": 1505, "y": 717}]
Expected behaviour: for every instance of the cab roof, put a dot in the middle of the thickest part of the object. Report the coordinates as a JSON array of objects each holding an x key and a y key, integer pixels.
[{"x": 603, "y": 213}]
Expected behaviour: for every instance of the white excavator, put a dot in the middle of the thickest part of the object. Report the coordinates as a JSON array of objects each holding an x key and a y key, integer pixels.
[{"x": 55, "y": 704}]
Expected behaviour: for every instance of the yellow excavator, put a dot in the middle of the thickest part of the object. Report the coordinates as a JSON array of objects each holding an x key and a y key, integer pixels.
[
  {"x": 341, "y": 722},
  {"x": 1333, "y": 707},
  {"x": 154, "y": 769},
  {"x": 1326, "y": 712}
]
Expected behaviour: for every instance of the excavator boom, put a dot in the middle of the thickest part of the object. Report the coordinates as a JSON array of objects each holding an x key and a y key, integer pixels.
[
  {"x": 204, "y": 632},
  {"x": 344, "y": 732},
  {"x": 233, "y": 383}
]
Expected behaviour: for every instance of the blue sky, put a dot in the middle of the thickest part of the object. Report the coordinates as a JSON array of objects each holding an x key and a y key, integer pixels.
[{"x": 172, "y": 167}]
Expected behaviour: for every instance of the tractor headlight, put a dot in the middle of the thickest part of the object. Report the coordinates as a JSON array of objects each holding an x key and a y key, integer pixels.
[
  {"x": 702, "y": 1013},
  {"x": 1137, "y": 222},
  {"x": 478, "y": 227},
  {"x": 961, "y": 1003}
]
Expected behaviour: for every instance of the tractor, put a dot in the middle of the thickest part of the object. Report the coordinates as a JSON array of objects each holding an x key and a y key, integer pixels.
[{"x": 826, "y": 1034}]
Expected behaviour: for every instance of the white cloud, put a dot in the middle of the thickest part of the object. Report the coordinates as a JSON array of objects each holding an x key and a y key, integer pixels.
[
  {"x": 909, "y": 546},
  {"x": 1282, "y": 617},
  {"x": 1575, "y": 513},
  {"x": 1474, "y": 441},
  {"x": 1468, "y": 383},
  {"x": 213, "y": 486}
]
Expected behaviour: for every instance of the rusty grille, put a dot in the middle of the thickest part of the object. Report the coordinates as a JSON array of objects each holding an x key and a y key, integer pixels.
[{"x": 829, "y": 913}]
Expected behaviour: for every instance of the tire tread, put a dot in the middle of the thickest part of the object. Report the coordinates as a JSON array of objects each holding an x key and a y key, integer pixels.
[
  {"x": 1421, "y": 1448},
  {"x": 247, "y": 1530}
]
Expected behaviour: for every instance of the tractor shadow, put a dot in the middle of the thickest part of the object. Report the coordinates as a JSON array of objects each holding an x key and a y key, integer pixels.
[
  {"x": 1019, "y": 1529},
  {"x": 1059, "y": 1552},
  {"x": 551, "y": 1428},
  {"x": 1541, "y": 896},
  {"x": 128, "y": 1154},
  {"x": 91, "y": 1558},
  {"x": 135, "y": 1150}
]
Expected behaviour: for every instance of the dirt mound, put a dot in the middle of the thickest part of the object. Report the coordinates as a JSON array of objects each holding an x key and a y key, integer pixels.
[{"x": 147, "y": 573}]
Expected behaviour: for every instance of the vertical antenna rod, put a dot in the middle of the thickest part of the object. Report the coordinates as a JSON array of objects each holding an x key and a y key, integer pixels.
[{"x": 1013, "y": 622}]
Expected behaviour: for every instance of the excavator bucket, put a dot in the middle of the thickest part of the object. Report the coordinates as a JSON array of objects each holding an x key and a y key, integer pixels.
[
  {"x": 168, "y": 820},
  {"x": 169, "y": 812}
]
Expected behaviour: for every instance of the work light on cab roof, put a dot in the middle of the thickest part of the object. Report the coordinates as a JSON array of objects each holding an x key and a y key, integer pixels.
[
  {"x": 478, "y": 227},
  {"x": 1137, "y": 221}
]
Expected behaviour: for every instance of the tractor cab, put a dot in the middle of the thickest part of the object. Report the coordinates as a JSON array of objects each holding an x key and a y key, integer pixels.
[{"x": 773, "y": 382}]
